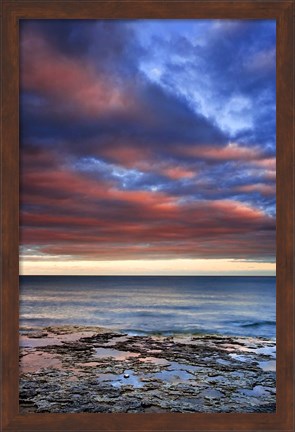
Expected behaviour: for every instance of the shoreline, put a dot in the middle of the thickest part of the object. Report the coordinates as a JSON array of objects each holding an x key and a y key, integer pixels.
[
  {"x": 25, "y": 329},
  {"x": 94, "y": 369}
]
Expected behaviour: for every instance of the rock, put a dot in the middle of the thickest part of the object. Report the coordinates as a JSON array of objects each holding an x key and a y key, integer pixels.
[
  {"x": 191, "y": 374},
  {"x": 38, "y": 334}
]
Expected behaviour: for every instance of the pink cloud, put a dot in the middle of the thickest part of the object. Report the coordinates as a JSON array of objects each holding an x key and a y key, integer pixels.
[
  {"x": 232, "y": 152},
  {"x": 267, "y": 163},
  {"x": 264, "y": 189},
  {"x": 177, "y": 172},
  {"x": 62, "y": 182},
  {"x": 152, "y": 225},
  {"x": 74, "y": 83},
  {"x": 128, "y": 155}
]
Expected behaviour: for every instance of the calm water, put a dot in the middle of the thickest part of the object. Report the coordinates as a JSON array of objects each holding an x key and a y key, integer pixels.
[{"x": 226, "y": 305}]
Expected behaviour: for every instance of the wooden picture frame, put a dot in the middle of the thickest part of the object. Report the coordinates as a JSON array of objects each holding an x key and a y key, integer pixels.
[{"x": 12, "y": 12}]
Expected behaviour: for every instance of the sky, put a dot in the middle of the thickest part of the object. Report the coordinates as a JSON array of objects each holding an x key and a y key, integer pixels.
[{"x": 147, "y": 147}]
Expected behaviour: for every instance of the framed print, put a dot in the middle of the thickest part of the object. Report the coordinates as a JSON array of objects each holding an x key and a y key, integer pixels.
[{"x": 148, "y": 212}]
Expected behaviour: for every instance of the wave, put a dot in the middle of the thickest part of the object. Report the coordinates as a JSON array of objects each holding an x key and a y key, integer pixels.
[{"x": 257, "y": 323}]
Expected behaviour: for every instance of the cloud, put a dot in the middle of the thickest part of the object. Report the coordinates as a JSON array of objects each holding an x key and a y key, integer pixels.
[
  {"x": 230, "y": 152},
  {"x": 226, "y": 70},
  {"x": 139, "y": 144},
  {"x": 142, "y": 223},
  {"x": 75, "y": 85}
]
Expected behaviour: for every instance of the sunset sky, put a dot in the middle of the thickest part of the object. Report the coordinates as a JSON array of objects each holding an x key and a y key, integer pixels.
[{"x": 147, "y": 147}]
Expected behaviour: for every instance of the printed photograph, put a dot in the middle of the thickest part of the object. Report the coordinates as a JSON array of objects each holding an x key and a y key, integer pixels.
[{"x": 147, "y": 216}]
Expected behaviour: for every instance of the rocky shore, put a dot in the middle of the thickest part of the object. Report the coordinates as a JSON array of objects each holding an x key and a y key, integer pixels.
[{"x": 87, "y": 369}]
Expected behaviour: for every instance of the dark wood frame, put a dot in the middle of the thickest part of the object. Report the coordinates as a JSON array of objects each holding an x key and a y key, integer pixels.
[{"x": 12, "y": 11}]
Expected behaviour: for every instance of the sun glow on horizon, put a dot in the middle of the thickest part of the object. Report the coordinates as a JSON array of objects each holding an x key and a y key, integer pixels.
[{"x": 172, "y": 267}]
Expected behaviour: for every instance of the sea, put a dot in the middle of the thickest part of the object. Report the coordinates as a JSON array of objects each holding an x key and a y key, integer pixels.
[{"x": 141, "y": 305}]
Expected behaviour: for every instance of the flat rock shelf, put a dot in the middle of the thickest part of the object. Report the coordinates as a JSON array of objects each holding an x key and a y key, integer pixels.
[{"x": 90, "y": 369}]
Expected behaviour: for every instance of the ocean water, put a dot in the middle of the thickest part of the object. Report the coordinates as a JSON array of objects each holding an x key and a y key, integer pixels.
[{"x": 244, "y": 306}]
